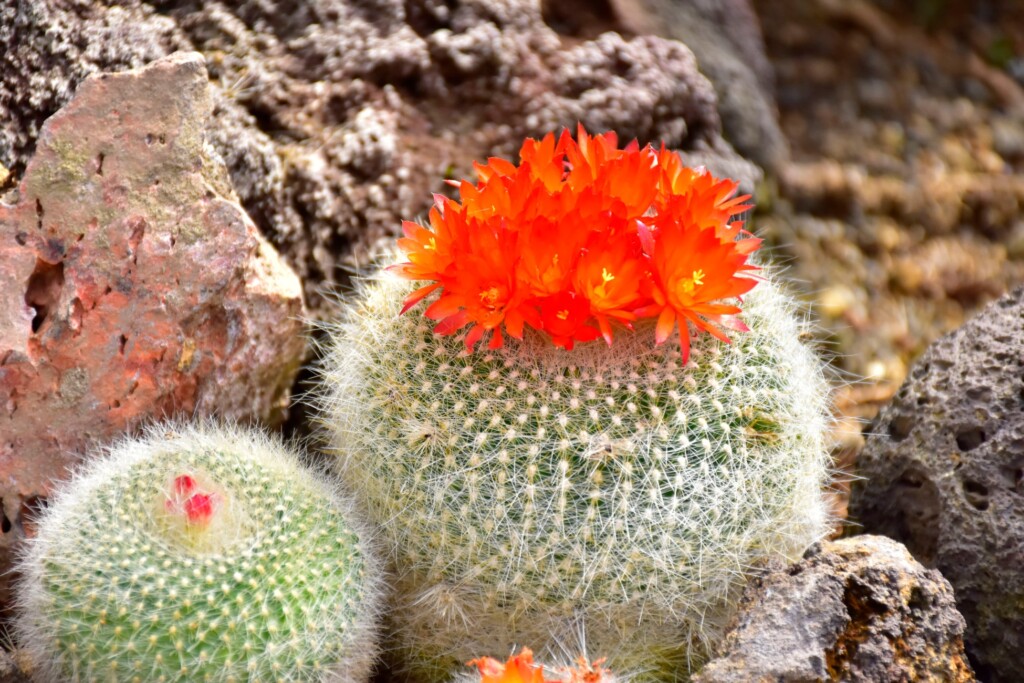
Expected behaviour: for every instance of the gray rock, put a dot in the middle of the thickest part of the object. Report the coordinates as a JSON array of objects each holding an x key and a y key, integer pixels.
[
  {"x": 859, "y": 609},
  {"x": 611, "y": 83},
  {"x": 47, "y": 48},
  {"x": 1008, "y": 136},
  {"x": 944, "y": 473},
  {"x": 725, "y": 35},
  {"x": 338, "y": 118},
  {"x": 14, "y": 667}
]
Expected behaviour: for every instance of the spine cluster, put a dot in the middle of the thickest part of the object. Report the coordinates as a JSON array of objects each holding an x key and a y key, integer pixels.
[
  {"x": 199, "y": 554},
  {"x": 531, "y": 495}
]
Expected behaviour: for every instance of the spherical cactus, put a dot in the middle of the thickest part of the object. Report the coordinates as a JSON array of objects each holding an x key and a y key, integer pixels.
[
  {"x": 199, "y": 554},
  {"x": 532, "y": 494}
]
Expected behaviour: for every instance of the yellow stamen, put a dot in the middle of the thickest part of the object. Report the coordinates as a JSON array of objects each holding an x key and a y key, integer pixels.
[
  {"x": 693, "y": 282},
  {"x": 490, "y": 296},
  {"x": 602, "y": 290},
  {"x": 562, "y": 315}
]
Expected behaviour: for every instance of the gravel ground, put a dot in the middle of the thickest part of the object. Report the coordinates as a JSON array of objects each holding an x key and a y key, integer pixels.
[{"x": 900, "y": 213}]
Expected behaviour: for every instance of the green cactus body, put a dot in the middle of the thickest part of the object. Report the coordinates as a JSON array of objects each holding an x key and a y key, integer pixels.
[
  {"x": 533, "y": 495},
  {"x": 199, "y": 554}
]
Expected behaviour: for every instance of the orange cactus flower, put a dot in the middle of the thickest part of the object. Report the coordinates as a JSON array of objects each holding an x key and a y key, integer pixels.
[
  {"x": 695, "y": 265},
  {"x": 580, "y": 236},
  {"x": 587, "y": 672},
  {"x": 518, "y": 669}
]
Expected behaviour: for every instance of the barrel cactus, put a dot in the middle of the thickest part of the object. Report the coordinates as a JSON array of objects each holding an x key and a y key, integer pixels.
[
  {"x": 198, "y": 553},
  {"x": 537, "y": 484}
]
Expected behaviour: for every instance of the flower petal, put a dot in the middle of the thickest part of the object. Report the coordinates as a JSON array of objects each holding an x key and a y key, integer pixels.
[{"x": 666, "y": 323}]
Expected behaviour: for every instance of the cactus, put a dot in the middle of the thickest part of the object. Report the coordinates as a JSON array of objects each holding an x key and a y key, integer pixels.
[
  {"x": 197, "y": 553},
  {"x": 526, "y": 487},
  {"x": 618, "y": 492}
]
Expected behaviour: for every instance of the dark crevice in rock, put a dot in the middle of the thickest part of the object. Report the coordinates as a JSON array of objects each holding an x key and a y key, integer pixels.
[
  {"x": 976, "y": 494},
  {"x": 970, "y": 438},
  {"x": 580, "y": 18},
  {"x": 863, "y": 611},
  {"x": 43, "y": 292},
  {"x": 30, "y": 510},
  {"x": 900, "y": 427}
]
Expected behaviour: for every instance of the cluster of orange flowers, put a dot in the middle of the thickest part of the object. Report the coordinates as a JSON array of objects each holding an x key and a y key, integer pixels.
[
  {"x": 521, "y": 669},
  {"x": 579, "y": 235}
]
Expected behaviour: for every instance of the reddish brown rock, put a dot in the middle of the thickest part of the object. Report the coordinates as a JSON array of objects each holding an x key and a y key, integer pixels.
[{"x": 132, "y": 285}]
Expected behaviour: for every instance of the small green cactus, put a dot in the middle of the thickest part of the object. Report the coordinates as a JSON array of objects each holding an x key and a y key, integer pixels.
[
  {"x": 529, "y": 492},
  {"x": 199, "y": 554}
]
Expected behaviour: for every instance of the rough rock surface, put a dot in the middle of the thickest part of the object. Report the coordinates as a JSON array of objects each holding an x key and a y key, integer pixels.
[
  {"x": 726, "y": 37},
  {"x": 337, "y": 118},
  {"x": 859, "y": 609},
  {"x": 131, "y": 285},
  {"x": 944, "y": 473}
]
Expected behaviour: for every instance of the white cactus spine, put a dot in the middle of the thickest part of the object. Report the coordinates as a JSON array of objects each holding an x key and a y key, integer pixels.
[
  {"x": 198, "y": 553},
  {"x": 527, "y": 490}
]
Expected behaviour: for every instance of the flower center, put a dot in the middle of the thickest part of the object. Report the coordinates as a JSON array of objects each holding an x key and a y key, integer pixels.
[
  {"x": 688, "y": 285},
  {"x": 196, "y": 506},
  {"x": 489, "y": 297},
  {"x": 602, "y": 289}
]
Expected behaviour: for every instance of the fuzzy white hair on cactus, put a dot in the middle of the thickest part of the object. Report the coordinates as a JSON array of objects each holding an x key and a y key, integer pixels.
[{"x": 199, "y": 553}]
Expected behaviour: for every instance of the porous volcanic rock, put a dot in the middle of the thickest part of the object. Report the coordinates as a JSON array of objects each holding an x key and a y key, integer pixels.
[
  {"x": 338, "y": 118},
  {"x": 859, "y": 609},
  {"x": 132, "y": 285},
  {"x": 944, "y": 473},
  {"x": 725, "y": 35}
]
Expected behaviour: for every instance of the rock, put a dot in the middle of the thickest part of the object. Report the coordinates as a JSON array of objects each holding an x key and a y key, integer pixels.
[
  {"x": 132, "y": 286},
  {"x": 944, "y": 473},
  {"x": 15, "y": 666},
  {"x": 338, "y": 118},
  {"x": 613, "y": 84},
  {"x": 46, "y": 49},
  {"x": 1008, "y": 137},
  {"x": 725, "y": 35},
  {"x": 859, "y": 609}
]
